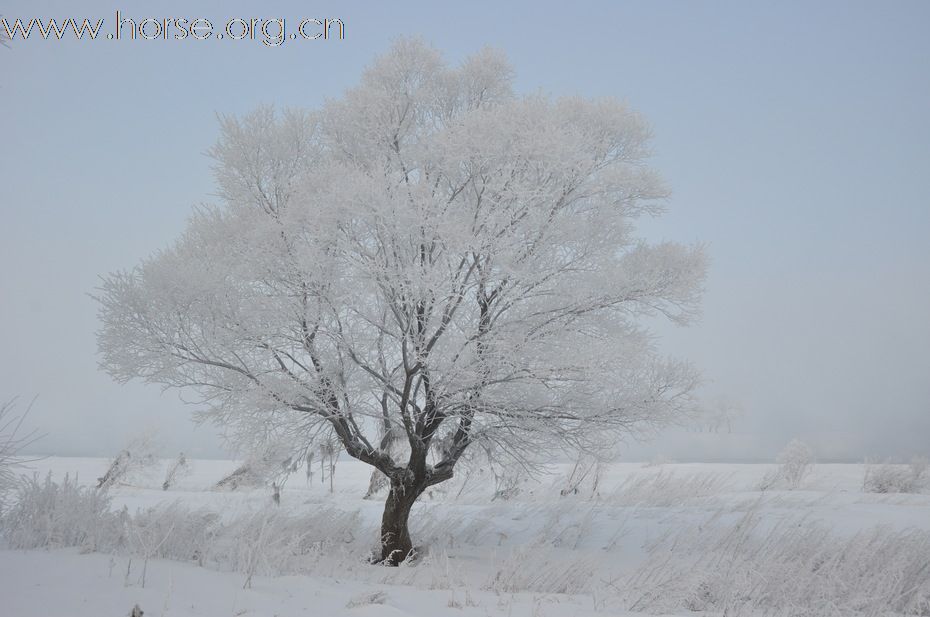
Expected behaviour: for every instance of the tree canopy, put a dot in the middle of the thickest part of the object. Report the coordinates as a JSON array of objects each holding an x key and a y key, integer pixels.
[{"x": 430, "y": 256}]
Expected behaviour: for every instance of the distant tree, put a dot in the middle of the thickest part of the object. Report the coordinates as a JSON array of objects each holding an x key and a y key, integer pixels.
[
  {"x": 720, "y": 414},
  {"x": 795, "y": 461},
  {"x": 431, "y": 253}
]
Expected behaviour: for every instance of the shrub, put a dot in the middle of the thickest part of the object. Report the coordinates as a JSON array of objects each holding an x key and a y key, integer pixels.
[
  {"x": 12, "y": 441},
  {"x": 747, "y": 567},
  {"x": 131, "y": 461},
  {"x": 175, "y": 532},
  {"x": 795, "y": 461},
  {"x": 47, "y": 514},
  {"x": 179, "y": 468},
  {"x": 51, "y": 515},
  {"x": 891, "y": 478}
]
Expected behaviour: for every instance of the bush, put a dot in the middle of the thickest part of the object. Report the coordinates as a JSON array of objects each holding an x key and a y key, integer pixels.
[
  {"x": 51, "y": 515},
  {"x": 747, "y": 567},
  {"x": 179, "y": 468},
  {"x": 12, "y": 441},
  {"x": 130, "y": 462},
  {"x": 891, "y": 478},
  {"x": 175, "y": 532},
  {"x": 794, "y": 463}
]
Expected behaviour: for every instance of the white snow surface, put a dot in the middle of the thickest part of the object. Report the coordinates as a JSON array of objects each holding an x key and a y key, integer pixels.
[{"x": 537, "y": 553}]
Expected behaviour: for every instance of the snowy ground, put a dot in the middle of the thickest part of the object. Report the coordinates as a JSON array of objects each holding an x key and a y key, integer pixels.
[{"x": 650, "y": 539}]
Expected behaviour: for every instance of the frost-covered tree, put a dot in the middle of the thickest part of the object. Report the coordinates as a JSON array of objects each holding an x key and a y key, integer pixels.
[
  {"x": 429, "y": 253},
  {"x": 718, "y": 413},
  {"x": 795, "y": 461}
]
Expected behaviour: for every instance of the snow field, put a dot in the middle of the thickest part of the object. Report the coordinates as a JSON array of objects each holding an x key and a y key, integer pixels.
[{"x": 659, "y": 539}]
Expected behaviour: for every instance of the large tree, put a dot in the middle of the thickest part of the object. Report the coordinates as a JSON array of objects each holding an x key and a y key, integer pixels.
[{"x": 429, "y": 256}]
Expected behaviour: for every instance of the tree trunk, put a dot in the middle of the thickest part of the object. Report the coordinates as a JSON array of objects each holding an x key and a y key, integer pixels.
[{"x": 395, "y": 533}]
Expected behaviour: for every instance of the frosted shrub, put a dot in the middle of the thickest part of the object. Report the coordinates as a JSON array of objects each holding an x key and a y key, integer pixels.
[
  {"x": 244, "y": 476},
  {"x": 260, "y": 468},
  {"x": 747, "y": 568},
  {"x": 12, "y": 441},
  {"x": 130, "y": 461},
  {"x": 507, "y": 483},
  {"x": 919, "y": 466},
  {"x": 585, "y": 476},
  {"x": 794, "y": 463},
  {"x": 47, "y": 514},
  {"x": 175, "y": 532},
  {"x": 179, "y": 468},
  {"x": 267, "y": 543},
  {"x": 891, "y": 478},
  {"x": 51, "y": 515}
]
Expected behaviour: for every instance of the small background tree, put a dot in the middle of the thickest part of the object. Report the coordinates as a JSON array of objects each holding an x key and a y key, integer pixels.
[
  {"x": 795, "y": 461},
  {"x": 719, "y": 414}
]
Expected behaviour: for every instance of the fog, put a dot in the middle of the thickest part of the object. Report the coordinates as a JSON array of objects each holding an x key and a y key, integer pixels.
[{"x": 794, "y": 138}]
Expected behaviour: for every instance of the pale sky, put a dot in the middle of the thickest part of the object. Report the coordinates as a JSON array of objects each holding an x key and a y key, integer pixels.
[{"x": 795, "y": 137}]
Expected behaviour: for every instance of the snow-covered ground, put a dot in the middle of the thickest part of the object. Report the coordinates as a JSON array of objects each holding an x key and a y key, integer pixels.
[{"x": 671, "y": 538}]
